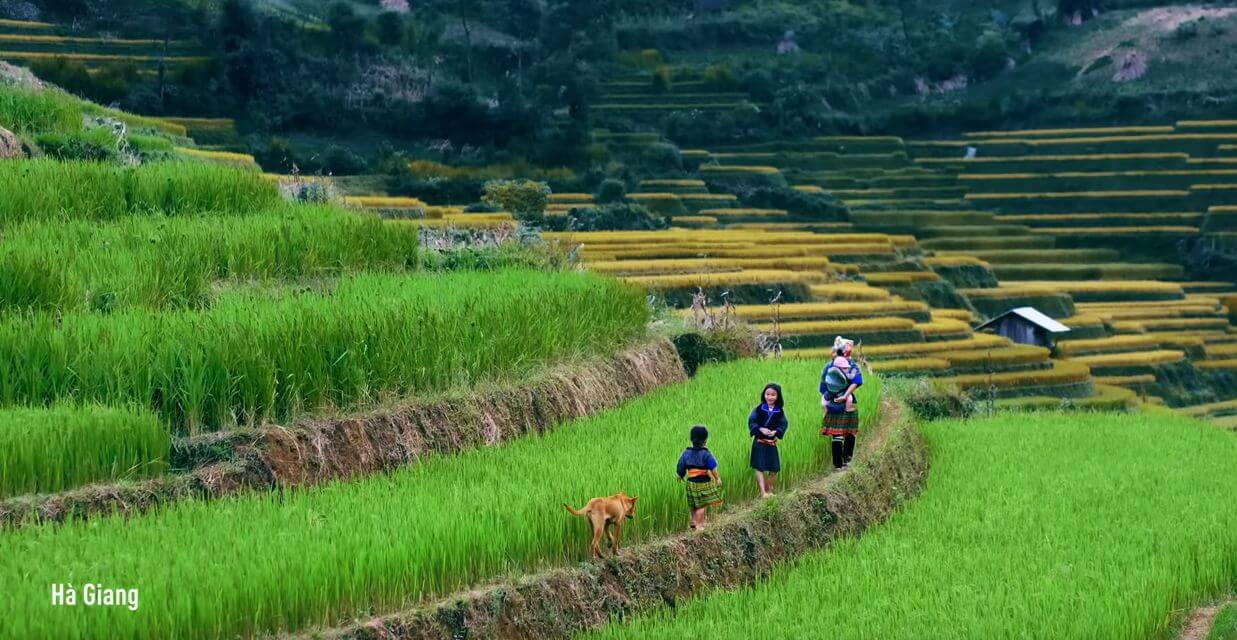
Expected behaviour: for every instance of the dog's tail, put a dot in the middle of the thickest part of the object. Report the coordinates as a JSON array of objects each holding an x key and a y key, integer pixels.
[{"x": 575, "y": 512}]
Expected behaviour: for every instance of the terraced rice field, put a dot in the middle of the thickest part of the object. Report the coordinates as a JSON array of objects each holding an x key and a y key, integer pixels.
[
  {"x": 318, "y": 555},
  {"x": 1083, "y": 224},
  {"x": 1058, "y": 522},
  {"x": 23, "y": 42}
]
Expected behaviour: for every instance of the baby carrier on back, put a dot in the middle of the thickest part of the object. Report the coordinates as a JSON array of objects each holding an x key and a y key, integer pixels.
[{"x": 835, "y": 383}]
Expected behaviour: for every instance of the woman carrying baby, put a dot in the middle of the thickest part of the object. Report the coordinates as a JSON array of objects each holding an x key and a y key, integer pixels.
[{"x": 838, "y": 382}]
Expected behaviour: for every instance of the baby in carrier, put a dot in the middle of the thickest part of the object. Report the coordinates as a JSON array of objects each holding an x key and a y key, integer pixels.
[{"x": 837, "y": 381}]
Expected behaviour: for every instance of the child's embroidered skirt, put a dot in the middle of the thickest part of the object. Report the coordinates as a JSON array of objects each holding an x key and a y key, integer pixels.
[{"x": 704, "y": 494}]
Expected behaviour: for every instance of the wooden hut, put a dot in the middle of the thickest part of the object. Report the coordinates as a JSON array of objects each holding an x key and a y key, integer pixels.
[{"x": 1025, "y": 325}]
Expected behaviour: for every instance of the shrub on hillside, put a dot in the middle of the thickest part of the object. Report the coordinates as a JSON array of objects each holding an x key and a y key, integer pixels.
[
  {"x": 389, "y": 26},
  {"x": 524, "y": 199},
  {"x": 337, "y": 160},
  {"x": 989, "y": 57},
  {"x": 720, "y": 77},
  {"x": 662, "y": 80},
  {"x": 609, "y": 217},
  {"x": 712, "y": 346},
  {"x": 277, "y": 156},
  {"x": 801, "y": 109},
  {"x": 932, "y": 399},
  {"x": 814, "y": 205},
  {"x": 96, "y": 145},
  {"x": 662, "y": 158},
  {"x": 611, "y": 191},
  {"x": 705, "y": 127}
]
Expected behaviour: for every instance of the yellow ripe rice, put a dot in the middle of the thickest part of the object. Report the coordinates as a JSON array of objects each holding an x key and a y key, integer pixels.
[
  {"x": 910, "y": 365},
  {"x": 849, "y": 291},
  {"x": 840, "y": 327},
  {"x": 943, "y": 327},
  {"x": 998, "y": 356},
  {"x": 1132, "y": 358},
  {"x": 827, "y": 309},
  {"x": 976, "y": 341},
  {"x": 753, "y": 213},
  {"x": 755, "y": 276},
  {"x": 1062, "y": 372},
  {"x": 1068, "y": 132},
  {"x": 383, "y": 202}
]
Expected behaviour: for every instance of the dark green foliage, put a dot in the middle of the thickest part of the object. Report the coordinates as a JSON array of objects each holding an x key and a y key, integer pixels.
[
  {"x": 989, "y": 56},
  {"x": 698, "y": 348},
  {"x": 434, "y": 190},
  {"x": 662, "y": 80},
  {"x": 611, "y": 191},
  {"x": 941, "y": 294},
  {"x": 347, "y": 28},
  {"x": 720, "y": 77},
  {"x": 277, "y": 156},
  {"x": 337, "y": 160},
  {"x": 608, "y": 217},
  {"x": 661, "y": 159},
  {"x": 711, "y": 127},
  {"x": 967, "y": 276},
  {"x": 933, "y": 399},
  {"x": 817, "y": 206},
  {"x": 390, "y": 28},
  {"x": 97, "y": 145}
]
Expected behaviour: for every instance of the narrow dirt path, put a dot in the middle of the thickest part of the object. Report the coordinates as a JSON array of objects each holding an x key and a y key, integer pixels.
[{"x": 1201, "y": 620}]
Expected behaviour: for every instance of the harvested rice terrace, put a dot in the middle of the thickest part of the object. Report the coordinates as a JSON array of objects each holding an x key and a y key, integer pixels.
[{"x": 26, "y": 42}]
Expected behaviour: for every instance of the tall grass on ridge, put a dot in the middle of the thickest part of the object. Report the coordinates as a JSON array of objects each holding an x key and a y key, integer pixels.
[
  {"x": 266, "y": 561},
  {"x": 1044, "y": 526},
  {"x": 47, "y": 450},
  {"x": 51, "y": 190},
  {"x": 255, "y": 357},
  {"x": 157, "y": 262},
  {"x": 30, "y": 112}
]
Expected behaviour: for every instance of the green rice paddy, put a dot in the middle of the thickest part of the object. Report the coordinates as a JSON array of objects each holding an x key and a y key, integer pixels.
[
  {"x": 52, "y": 190},
  {"x": 255, "y": 356},
  {"x": 268, "y": 561},
  {"x": 47, "y": 450},
  {"x": 160, "y": 262},
  {"x": 1041, "y": 526}
]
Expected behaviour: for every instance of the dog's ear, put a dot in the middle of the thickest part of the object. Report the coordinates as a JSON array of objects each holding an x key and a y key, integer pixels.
[{"x": 634, "y": 498}]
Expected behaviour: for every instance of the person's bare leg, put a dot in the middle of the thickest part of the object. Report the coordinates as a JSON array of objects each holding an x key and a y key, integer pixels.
[
  {"x": 761, "y": 482},
  {"x": 770, "y": 482},
  {"x": 697, "y": 518}
]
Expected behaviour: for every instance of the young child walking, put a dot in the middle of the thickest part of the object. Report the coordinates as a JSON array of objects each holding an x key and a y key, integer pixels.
[
  {"x": 699, "y": 468},
  {"x": 767, "y": 425}
]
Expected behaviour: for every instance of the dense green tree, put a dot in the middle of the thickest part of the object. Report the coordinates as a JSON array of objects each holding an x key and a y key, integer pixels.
[
  {"x": 390, "y": 28},
  {"x": 347, "y": 28}
]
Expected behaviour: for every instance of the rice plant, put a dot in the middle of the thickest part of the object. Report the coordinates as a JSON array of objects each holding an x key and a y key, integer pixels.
[
  {"x": 159, "y": 261},
  {"x": 1044, "y": 526},
  {"x": 47, "y": 450},
  {"x": 269, "y": 561},
  {"x": 257, "y": 355},
  {"x": 50, "y": 190},
  {"x": 32, "y": 112}
]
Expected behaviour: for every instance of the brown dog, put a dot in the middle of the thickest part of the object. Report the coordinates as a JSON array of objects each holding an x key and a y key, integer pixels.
[{"x": 603, "y": 512}]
